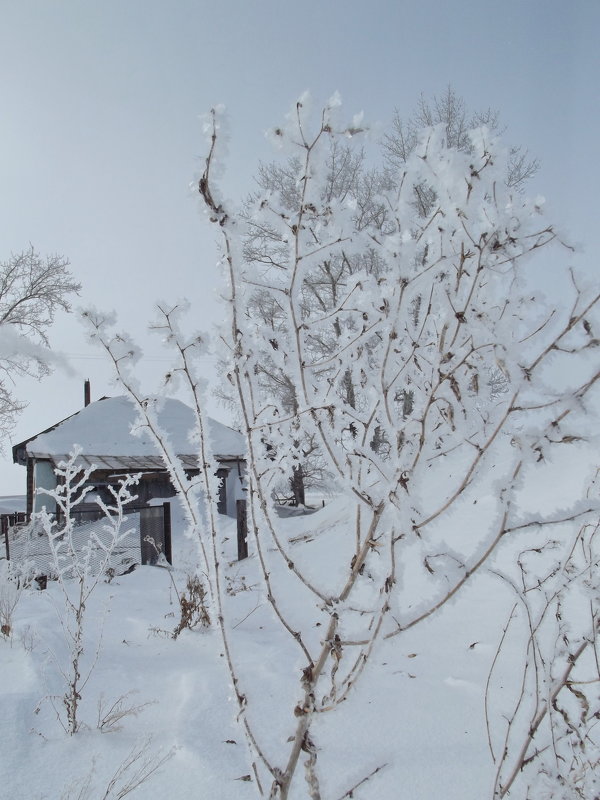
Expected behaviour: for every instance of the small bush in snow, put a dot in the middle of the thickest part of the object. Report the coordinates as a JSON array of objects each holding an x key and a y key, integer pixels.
[
  {"x": 193, "y": 606},
  {"x": 9, "y": 597},
  {"x": 79, "y": 567}
]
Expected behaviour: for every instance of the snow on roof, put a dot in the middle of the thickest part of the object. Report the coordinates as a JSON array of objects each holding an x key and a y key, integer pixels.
[{"x": 104, "y": 428}]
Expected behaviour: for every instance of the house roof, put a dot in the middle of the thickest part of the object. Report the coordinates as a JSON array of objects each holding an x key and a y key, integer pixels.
[{"x": 109, "y": 436}]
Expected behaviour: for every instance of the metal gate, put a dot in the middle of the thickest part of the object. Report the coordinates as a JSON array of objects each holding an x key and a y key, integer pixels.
[{"x": 155, "y": 534}]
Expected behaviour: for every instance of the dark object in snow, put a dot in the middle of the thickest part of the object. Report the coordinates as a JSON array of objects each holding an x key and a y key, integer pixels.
[
  {"x": 242, "y": 529},
  {"x": 42, "y": 582}
]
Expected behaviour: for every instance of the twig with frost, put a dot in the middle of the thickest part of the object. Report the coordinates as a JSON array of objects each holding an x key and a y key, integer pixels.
[
  {"x": 13, "y": 579},
  {"x": 561, "y": 707},
  {"x": 136, "y": 769},
  {"x": 80, "y": 563},
  {"x": 352, "y": 789},
  {"x": 110, "y": 715}
]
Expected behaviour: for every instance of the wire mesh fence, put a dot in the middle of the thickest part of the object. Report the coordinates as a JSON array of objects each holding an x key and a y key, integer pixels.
[
  {"x": 28, "y": 544},
  {"x": 143, "y": 538}
]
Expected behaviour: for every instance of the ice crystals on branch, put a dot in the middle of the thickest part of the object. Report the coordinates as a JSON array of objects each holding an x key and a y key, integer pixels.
[
  {"x": 367, "y": 314},
  {"x": 379, "y": 334},
  {"x": 81, "y": 556}
]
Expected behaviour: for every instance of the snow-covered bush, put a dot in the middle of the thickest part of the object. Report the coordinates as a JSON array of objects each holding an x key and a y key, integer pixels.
[
  {"x": 15, "y": 577},
  {"x": 79, "y": 566},
  {"x": 9, "y": 597},
  {"x": 550, "y": 731},
  {"x": 389, "y": 377}
]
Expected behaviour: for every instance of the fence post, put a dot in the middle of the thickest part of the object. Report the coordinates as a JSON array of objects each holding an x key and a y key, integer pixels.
[
  {"x": 167, "y": 530},
  {"x": 5, "y": 532},
  {"x": 222, "y": 474},
  {"x": 242, "y": 529}
]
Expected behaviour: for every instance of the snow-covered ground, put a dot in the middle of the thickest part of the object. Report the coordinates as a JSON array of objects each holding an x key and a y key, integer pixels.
[{"x": 419, "y": 713}]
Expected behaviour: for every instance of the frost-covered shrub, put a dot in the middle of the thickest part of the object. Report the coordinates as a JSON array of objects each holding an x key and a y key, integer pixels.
[
  {"x": 79, "y": 566},
  {"x": 10, "y": 592},
  {"x": 435, "y": 384}
]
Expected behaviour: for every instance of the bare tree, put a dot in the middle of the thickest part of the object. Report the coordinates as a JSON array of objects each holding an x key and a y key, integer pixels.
[
  {"x": 450, "y": 111},
  {"x": 32, "y": 290},
  {"x": 347, "y": 179}
]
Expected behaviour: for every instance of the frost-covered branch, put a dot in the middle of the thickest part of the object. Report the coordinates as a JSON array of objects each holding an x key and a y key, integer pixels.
[
  {"x": 81, "y": 557},
  {"x": 558, "y": 746},
  {"x": 393, "y": 388},
  {"x": 379, "y": 326}
]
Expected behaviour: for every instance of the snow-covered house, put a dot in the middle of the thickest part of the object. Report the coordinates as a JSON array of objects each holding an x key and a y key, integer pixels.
[{"x": 113, "y": 442}]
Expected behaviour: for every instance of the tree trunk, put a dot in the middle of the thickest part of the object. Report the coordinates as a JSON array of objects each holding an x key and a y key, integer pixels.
[{"x": 297, "y": 485}]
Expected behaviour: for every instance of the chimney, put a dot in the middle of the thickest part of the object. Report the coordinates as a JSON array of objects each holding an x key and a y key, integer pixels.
[{"x": 86, "y": 392}]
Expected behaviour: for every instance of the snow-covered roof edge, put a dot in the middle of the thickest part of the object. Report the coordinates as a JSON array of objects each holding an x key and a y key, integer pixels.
[{"x": 107, "y": 427}]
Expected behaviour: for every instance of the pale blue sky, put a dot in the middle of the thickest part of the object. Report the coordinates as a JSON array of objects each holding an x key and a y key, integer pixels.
[{"x": 99, "y": 103}]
